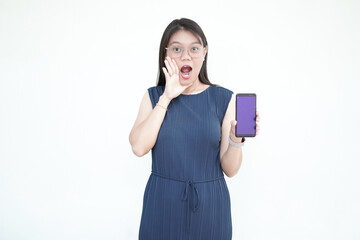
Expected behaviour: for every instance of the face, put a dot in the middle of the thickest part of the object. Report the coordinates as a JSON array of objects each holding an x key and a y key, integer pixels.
[{"x": 189, "y": 54}]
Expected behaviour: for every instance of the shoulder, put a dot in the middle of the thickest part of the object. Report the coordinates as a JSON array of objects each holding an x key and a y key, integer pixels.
[
  {"x": 156, "y": 89},
  {"x": 222, "y": 97},
  {"x": 222, "y": 90},
  {"x": 154, "y": 93}
]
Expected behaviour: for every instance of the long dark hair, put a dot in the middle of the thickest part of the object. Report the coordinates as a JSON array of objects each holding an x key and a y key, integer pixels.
[{"x": 173, "y": 27}]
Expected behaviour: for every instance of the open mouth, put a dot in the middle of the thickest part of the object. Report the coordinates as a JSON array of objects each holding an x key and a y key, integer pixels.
[{"x": 186, "y": 71}]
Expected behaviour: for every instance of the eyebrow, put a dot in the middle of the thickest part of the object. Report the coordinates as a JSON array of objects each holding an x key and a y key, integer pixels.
[{"x": 174, "y": 42}]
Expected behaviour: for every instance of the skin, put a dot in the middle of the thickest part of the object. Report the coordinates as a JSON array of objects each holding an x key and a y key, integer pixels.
[
  {"x": 177, "y": 84},
  {"x": 144, "y": 133}
]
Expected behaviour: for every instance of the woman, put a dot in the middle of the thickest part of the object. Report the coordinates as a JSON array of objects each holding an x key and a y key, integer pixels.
[{"x": 187, "y": 122}]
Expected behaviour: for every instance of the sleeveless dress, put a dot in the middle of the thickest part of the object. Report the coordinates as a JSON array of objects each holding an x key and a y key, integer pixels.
[{"x": 186, "y": 196}]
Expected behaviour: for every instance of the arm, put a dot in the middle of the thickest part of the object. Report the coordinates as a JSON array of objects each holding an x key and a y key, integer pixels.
[
  {"x": 144, "y": 133},
  {"x": 230, "y": 156},
  {"x": 146, "y": 128}
]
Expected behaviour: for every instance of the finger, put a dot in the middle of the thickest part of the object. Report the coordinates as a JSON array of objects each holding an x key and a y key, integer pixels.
[
  {"x": 233, "y": 130},
  {"x": 168, "y": 67},
  {"x": 232, "y": 126},
  {"x": 233, "y": 123},
  {"x": 172, "y": 65},
  {"x": 176, "y": 67},
  {"x": 166, "y": 73},
  {"x": 257, "y": 116},
  {"x": 257, "y": 128}
]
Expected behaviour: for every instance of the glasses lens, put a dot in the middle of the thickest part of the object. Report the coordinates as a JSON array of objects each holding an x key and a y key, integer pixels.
[
  {"x": 194, "y": 51},
  {"x": 175, "y": 51}
]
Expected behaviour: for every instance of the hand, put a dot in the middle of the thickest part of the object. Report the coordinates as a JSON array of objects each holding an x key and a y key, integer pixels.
[
  {"x": 257, "y": 125},
  {"x": 173, "y": 88},
  {"x": 233, "y": 125}
]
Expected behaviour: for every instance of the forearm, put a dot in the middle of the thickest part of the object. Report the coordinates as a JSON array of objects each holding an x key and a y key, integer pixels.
[
  {"x": 231, "y": 160},
  {"x": 143, "y": 137}
]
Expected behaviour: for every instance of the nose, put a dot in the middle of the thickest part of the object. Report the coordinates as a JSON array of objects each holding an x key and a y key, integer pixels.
[{"x": 185, "y": 55}]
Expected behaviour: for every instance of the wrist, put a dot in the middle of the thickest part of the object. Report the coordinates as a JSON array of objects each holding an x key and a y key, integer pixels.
[
  {"x": 164, "y": 100},
  {"x": 238, "y": 139},
  {"x": 237, "y": 143}
]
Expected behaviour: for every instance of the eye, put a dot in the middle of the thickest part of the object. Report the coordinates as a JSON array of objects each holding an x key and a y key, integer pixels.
[
  {"x": 194, "y": 49},
  {"x": 177, "y": 49}
]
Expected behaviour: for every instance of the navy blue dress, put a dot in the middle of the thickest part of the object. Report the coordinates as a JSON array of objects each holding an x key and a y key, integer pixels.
[{"x": 186, "y": 196}]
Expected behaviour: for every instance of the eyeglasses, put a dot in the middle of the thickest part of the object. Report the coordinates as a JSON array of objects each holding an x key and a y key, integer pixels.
[{"x": 177, "y": 51}]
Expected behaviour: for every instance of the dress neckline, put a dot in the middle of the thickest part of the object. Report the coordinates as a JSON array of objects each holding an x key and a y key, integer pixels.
[{"x": 196, "y": 93}]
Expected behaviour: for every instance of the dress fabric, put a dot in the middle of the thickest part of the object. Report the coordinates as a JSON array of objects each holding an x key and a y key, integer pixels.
[{"x": 186, "y": 196}]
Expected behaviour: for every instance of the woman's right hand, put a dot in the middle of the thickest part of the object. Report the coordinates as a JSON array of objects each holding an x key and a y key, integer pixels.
[{"x": 173, "y": 88}]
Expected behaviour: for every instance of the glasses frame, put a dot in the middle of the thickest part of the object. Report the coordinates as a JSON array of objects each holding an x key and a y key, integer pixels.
[{"x": 187, "y": 49}]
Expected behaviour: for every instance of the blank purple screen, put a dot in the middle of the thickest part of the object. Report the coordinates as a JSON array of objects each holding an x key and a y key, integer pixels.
[{"x": 245, "y": 115}]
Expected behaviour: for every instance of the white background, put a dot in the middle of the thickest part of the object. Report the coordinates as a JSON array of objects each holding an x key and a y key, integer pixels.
[{"x": 72, "y": 74}]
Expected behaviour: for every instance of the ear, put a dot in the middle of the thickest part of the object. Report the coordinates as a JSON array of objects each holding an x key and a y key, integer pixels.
[{"x": 205, "y": 51}]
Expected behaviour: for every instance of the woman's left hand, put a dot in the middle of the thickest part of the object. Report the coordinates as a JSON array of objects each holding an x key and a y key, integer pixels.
[{"x": 233, "y": 125}]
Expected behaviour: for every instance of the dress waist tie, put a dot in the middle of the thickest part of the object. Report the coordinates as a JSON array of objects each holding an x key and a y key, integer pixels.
[{"x": 190, "y": 193}]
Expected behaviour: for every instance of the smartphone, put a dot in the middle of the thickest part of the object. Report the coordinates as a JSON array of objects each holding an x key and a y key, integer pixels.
[{"x": 245, "y": 115}]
